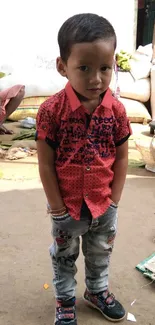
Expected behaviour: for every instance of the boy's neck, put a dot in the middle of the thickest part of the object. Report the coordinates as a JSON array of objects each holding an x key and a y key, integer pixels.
[{"x": 90, "y": 104}]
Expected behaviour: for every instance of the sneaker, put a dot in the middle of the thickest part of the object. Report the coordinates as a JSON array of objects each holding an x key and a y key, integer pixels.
[
  {"x": 105, "y": 302},
  {"x": 65, "y": 312}
]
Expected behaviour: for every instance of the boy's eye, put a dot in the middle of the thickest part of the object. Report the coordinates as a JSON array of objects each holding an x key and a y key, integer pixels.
[
  {"x": 104, "y": 68},
  {"x": 83, "y": 68}
]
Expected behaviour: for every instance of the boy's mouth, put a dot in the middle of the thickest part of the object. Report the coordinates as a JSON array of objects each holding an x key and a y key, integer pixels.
[{"x": 94, "y": 89}]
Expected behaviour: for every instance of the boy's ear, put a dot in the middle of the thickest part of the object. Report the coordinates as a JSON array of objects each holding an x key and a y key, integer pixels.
[{"x": 61, "y": 67}]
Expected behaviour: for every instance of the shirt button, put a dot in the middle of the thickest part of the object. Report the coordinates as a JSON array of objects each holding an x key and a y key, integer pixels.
[
  {"x": 86, "y": 195},
  {"x": 88, "y": 168}
]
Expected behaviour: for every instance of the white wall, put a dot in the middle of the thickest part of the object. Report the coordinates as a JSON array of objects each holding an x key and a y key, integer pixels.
[{"x": 29, "y": 27}]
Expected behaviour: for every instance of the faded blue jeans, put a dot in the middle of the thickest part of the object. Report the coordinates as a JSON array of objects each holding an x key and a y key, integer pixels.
[{"x": 97, "y": 243}]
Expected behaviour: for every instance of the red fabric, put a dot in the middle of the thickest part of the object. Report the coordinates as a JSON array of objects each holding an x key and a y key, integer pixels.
[
  {"x": 141, "y": 4},
  {"x": 84, "y": 156}
]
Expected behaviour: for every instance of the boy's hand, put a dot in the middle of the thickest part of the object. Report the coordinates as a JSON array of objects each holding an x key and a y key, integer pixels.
[
  {"x": 120, "y": 169},
  {"x": 114, "y": 202},
  {"x": 46, "y": 158}
]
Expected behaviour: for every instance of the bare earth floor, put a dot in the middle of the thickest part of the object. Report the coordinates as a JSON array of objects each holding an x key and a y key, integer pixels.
[{"x": 25, "y": 265}]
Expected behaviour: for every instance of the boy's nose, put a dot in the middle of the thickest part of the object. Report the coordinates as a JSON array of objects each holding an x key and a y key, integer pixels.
[{"x": 95, "y": 79}]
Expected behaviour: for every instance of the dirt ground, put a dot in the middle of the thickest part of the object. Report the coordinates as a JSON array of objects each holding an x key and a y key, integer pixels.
[{"x": 25, "y": 264}]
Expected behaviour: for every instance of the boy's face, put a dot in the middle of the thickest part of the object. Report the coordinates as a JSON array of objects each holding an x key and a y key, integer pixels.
[{"x": 89, "y": 67}]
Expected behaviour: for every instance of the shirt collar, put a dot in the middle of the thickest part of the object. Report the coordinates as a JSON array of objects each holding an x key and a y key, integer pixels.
[
  {"x": 75, "y": 103},
  {"x": 107, "y": 99}
]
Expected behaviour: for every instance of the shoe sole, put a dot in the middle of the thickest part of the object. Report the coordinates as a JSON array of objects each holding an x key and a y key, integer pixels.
[{"x": 90, "y": 304}]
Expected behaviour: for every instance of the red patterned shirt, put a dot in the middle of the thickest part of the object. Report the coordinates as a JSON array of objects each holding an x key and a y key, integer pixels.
[{"x": 85, "y": 147}]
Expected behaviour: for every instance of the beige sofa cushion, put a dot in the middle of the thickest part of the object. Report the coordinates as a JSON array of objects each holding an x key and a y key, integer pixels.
[{"x": 136, "y": 111}]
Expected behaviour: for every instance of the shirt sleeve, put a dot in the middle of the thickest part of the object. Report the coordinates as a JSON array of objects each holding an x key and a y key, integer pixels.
[
  {"x": 46, "y": 126},
  {"x": 122, "y": 128}
]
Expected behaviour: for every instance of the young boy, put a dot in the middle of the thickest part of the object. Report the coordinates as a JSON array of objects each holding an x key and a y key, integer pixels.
[{"x": 82, "y": 134}]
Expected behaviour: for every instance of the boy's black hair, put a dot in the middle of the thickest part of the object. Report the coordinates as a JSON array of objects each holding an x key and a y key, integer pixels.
[{"x": 83, "y": 28}]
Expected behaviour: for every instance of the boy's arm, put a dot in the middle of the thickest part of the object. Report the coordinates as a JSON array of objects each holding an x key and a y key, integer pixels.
[
  {"x": 46, "y": 158},
  {"x": 120, "y": 170}
]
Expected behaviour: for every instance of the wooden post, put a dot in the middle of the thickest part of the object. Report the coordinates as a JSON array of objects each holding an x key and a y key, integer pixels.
[{"x": 153, "y": 44}]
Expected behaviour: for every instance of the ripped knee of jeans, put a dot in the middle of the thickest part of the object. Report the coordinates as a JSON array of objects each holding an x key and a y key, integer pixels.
[
  {"x": 111, "y": 239},
  {"x": 109, "y": 244},
  {"x": 62, "y": 237}
]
